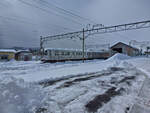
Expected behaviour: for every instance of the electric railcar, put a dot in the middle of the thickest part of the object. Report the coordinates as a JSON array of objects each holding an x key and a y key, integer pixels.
[{"x": 61, "y": 55}]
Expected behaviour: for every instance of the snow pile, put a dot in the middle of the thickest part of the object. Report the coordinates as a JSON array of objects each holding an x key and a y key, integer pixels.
[
  {"x": 19, "y": 97},
  {"x": 119, "y": 56}
]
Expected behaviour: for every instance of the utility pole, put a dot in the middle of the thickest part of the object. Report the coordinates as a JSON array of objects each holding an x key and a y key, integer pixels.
[
  {"x": 83, "y": 45},
  {"x": 41, "y": 46}
]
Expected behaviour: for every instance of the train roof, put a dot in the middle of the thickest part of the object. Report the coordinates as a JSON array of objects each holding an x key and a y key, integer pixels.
[
  {"x": 66, "y": 49},
  {"x": 69, "y": 49}
]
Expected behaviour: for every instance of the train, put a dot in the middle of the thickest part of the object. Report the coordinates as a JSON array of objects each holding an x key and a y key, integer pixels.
[{"x": 61, "y": 55}]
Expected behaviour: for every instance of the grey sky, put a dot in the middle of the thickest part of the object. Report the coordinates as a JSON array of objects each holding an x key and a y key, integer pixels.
[{"x": 22, "y": 22}]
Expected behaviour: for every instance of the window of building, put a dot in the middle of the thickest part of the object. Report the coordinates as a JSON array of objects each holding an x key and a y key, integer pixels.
[{"x": 4, "y": 57}]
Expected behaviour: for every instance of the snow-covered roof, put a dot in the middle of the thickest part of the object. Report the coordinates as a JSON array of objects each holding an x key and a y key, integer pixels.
[
  {"x": 125, "y": 45},
  {"x": 8, "y": 50},
  {"x": 26, "y": 51}
]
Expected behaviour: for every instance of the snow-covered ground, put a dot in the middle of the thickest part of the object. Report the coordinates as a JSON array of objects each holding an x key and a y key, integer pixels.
[
  {"x": 101, "y": 86},
  {"x": 37, "y": 71},
  {"x": 142, "y": 64}
]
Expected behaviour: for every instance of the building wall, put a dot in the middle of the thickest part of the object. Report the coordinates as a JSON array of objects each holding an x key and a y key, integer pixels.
[
  {"x": 24, "y": 57},
  {"x": 130, "y": 51},
  {"x": 10, "y": 55},
  {"x": 127, "y": 50}
]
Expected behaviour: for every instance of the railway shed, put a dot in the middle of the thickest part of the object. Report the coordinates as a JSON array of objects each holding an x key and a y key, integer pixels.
[{"x": 125, "y": 49}]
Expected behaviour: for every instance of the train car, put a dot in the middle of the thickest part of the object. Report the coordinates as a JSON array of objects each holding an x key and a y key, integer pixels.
[{"x": 61, "y": 55}]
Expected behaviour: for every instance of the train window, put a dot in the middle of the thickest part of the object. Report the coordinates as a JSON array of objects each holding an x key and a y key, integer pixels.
[
  {"x": 68, "y": 53},
  {"x": 56, "y": 53},
  {"x": 65, "y": 52},
  {"x": 62, "y": 53},
  {"x": 74, "y": 53},
  {"x": 49, "y": 53}
]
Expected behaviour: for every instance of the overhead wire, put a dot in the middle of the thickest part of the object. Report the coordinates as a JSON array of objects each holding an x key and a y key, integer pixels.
[
  {"x": 49, "y": 12},
  {"x": 59, "y": 8},
  {"x": 117, "y": 33},
  {"x": 22, "y": 21},
  {"x": 70, "y": 13},
  {"x": 27, "y": 22}
]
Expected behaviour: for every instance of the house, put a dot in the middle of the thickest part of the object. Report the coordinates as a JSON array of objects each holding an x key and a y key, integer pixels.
[
  {"x": 23, "y": 55},
  {"x": 7, "y": 54},
  {"x": 125, "y": 49}
]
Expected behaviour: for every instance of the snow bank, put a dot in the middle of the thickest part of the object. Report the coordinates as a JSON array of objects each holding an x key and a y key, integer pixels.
[
  {"x": 38, "y": 72},
  {"x": 119, "y": 56},
  {"x": 19, "y": 97}
]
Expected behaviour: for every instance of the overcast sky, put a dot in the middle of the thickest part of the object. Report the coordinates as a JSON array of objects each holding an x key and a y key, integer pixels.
[{"x": 22, "y": 22}]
